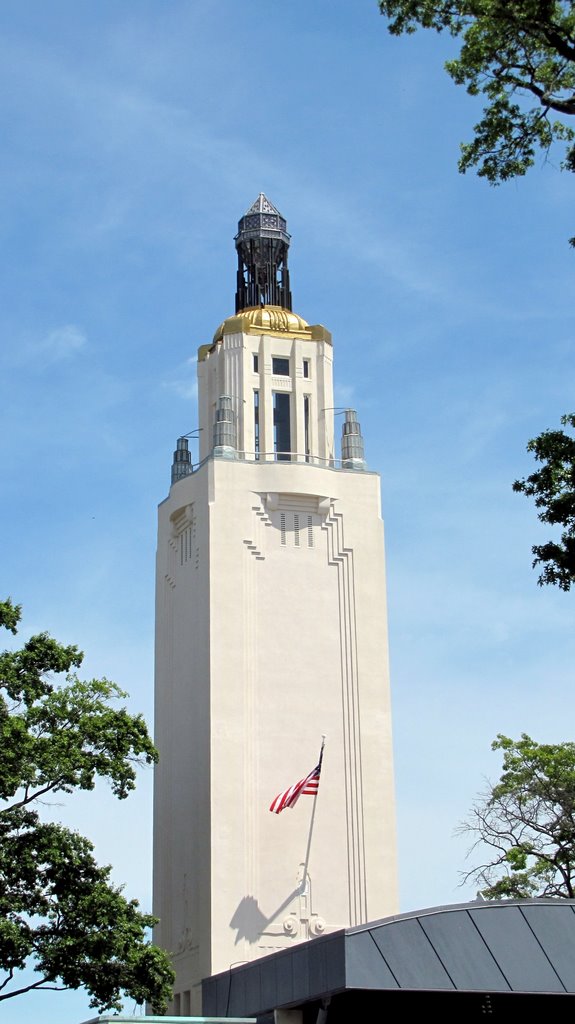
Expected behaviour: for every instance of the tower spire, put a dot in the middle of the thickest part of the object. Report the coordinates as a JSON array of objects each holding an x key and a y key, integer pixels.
[{"x": 262, "y": 244}]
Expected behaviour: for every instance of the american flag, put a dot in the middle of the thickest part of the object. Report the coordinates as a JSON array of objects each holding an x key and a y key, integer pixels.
[{"x": 306, "y": 787}]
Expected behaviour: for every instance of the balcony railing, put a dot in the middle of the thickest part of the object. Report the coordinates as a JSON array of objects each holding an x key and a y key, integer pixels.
[{"x": 281, "y": 458}]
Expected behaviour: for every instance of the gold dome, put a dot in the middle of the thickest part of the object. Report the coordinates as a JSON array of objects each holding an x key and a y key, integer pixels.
[
  {"x": 274, "y": 319},
  {"x": 267, "y": 320}
]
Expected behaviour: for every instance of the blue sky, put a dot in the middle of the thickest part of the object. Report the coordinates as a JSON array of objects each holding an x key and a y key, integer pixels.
[{"x": 135, "y": 134}]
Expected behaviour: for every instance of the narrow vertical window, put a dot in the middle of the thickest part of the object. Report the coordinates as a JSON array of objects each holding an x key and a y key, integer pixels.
[
  {"x": 257, "y": 423},
  {"x": 306, "y": 427},
  {"x": 306, "y": 367},
  {"x": 296, "y": 530},
  {"x": 282, "y": 429},
  {"x": 256, "y": 363},
  {"x": 309, "y": 532},
  {"x": 283, "y": 527}
]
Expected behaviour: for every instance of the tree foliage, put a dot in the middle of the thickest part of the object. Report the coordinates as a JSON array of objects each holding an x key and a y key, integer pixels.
[
  {"x": 526, "y": 821},
  {"x": 520, "y": 56},
  {"x": 59, "y": 911},
  {"x": 553, "y": 487}
]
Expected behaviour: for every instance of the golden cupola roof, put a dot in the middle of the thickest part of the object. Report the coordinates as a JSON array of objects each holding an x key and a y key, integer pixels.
[
  {"x": 263, "y": 319},
  {"x": 267, "y": 320}
]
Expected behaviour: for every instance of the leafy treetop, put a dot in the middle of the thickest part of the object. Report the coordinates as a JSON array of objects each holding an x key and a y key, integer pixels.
[
  {"x": 511, "y": 50},
  {"x": 526, "y": 823},
  {"x": 553, "y": 487},
  {"x": 59, "y": 912}
]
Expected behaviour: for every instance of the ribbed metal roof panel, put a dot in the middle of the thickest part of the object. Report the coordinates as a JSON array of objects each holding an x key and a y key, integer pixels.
[
  {"x": 515, "y": 946},
  {"x": 553, "y": 928},
  {"x": 410, "y": 956},
  {"x": 460, "y": 946}
]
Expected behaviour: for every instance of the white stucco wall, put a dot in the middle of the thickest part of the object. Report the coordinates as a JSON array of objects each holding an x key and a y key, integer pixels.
[
  {"x": 275, "y": 645},
  {"x": 271, "y": 631}
]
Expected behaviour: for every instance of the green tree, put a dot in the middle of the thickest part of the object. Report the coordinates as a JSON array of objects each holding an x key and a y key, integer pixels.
[
  {"x": 526, "y": 822},
  {"x": 553, "y": 487},
  {"x": 59, "y": 912},
  {"x": 520, "y": 56}
]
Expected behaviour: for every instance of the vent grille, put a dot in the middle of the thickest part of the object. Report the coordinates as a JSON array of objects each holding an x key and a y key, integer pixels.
[{"x": 298, "y": 502}]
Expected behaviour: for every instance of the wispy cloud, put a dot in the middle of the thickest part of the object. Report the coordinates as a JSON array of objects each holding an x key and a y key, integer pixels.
[
  {"x": 56, "y": 346},
  {"x": 61, "y": 343}
]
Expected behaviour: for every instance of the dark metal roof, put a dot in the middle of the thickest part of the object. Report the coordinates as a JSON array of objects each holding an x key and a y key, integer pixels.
[
  {"x": 509, "y": 947},
  {"x": 262, "y": 220}
]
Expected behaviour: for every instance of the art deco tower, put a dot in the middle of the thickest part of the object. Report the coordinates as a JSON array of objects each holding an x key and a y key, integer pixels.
[{"x": 271, "y": 631}]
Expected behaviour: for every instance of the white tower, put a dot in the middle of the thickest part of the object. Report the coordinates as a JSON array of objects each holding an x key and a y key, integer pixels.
[{"x": 271, "y": 631}]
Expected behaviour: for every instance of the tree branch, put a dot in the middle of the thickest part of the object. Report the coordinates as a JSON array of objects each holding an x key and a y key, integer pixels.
[
  {"x": 43, "y": 985},
  {"x": 8, "y": 979},
  {"x": 28, "y": 798}
]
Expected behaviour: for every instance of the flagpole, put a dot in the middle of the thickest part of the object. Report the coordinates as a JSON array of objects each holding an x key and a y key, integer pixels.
[{"x": 311, "y": 824}]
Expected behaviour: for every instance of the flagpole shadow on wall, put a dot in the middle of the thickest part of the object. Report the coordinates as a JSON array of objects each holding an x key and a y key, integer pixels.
[{"x": 248, "y": 919}]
